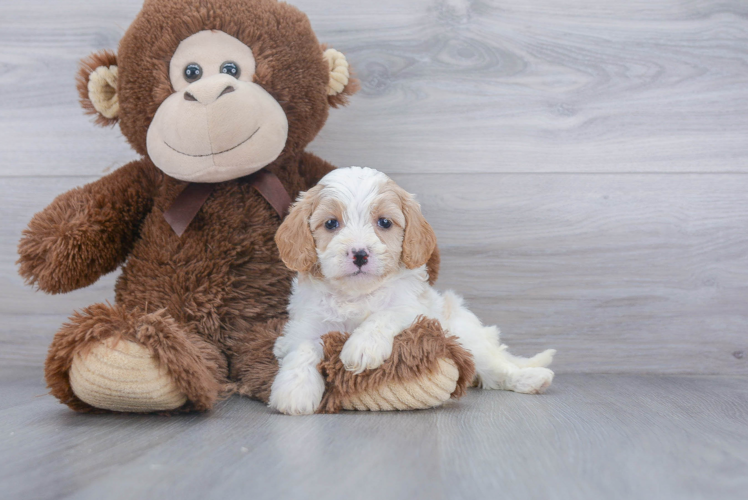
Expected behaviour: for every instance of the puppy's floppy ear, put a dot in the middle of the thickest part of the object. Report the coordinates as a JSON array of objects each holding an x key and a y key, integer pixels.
[
  {"x": 419, "y": 241},
  {"x": 97, "y": 87},
  {"x": 341, "y": 84},
  {"x": 294, "y": 237}
]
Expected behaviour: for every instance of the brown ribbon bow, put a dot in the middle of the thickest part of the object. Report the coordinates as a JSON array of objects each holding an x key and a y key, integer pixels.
[{"x": 193, "y": 197}]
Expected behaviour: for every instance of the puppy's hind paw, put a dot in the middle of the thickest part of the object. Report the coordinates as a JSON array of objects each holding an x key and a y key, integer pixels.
[{"x": 531, "y": 380}]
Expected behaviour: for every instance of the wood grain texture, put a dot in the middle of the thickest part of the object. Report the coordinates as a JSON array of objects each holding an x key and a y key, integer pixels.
[
  {"x": 620, "y": 273},
  {"x": 448, "y": 85},
  {"x": 589, "y": 437},
  {"x": 642, "y": 273},
  {"x": 584, "y": 165}
]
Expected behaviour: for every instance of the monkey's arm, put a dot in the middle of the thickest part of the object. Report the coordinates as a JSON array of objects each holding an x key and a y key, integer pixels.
[{"x": 88, "y": 231}]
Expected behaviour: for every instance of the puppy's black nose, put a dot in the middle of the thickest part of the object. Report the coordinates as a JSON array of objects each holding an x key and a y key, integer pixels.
[{"x": 360, "y": 258}]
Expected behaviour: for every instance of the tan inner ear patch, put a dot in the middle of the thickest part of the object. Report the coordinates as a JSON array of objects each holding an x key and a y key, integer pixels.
[
  {"x": 339, "y": 73},
  {"x": 102, "y": 91},
  {"x": 328, "y": 208}
]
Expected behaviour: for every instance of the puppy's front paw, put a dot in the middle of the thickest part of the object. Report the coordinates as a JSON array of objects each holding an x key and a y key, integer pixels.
[
  {"x": 531, "y": 380},
  {"x": 365, "y": 351},
  {"x": 296, "y": 392}
]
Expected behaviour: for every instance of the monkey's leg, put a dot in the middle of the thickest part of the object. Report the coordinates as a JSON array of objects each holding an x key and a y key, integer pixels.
[{"x": 109, "y": 359}]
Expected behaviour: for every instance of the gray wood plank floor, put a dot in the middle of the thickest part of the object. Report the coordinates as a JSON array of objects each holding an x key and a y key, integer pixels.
[{"x": 589, "y": 437}]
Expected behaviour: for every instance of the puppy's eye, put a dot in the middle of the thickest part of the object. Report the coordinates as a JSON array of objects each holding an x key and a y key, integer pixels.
[
  {"x": 332, "y": 224},
  {"x": 384, "y": 223},
  {"x": 193, "y": 72},
  {"x": 230, "y": 68}
]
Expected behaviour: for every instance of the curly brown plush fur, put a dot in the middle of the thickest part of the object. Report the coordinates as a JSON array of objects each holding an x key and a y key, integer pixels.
[
  {"x": 197, "y": 367},
  {"x": 88, "y": 231},
  {"x": 208, "y": 305},
  {"x": 415, "y": 353}
]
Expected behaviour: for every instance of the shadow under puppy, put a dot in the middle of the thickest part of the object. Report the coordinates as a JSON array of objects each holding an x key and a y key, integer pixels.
[{"x": 360, "y": 244}]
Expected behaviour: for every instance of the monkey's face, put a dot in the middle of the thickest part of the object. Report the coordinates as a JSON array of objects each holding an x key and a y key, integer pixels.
[
  {"x": 214, "y": 91},
  {"x": 218, "y": 124}
]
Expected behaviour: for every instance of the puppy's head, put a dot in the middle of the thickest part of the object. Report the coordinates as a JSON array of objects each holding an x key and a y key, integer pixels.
[{"x": 356, "y": 224}]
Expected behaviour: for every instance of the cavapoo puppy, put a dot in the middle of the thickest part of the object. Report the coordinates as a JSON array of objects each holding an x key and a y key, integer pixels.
[{"x": 360, "y": 244}]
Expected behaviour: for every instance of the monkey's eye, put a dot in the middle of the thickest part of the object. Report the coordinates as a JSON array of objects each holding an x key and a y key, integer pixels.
[
  {"x": 332, "y": 224},
  {"x": 193, "y": 72},
  {"x": 230, "y": 68},
  {"x": 384, "y": 223}
]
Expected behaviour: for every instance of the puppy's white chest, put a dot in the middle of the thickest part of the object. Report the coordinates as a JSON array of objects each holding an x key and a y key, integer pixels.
[{"x": 349, "y": 312}]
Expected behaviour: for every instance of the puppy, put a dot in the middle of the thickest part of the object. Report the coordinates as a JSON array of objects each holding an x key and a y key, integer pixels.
[{"x": 360, "y": 244}]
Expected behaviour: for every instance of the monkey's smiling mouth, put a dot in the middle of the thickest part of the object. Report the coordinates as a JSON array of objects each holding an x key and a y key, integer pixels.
[{"x": 213, "y": 154}]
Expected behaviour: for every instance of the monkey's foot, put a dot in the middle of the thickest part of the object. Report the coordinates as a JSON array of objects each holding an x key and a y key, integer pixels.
[
  {"x": 109, "y": 359},
  {"x": 123, "y": 376}
]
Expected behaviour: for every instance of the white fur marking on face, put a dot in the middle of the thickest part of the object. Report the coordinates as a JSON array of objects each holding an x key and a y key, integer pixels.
[{"x": 357, "y": 190}]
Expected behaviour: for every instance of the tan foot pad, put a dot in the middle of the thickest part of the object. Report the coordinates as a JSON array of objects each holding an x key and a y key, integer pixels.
[
  {"x": 426, "y": 392},
  {"x": 123, "y": 376}
]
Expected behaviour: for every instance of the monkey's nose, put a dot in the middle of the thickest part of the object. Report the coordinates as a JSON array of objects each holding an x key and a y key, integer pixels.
[
  {"x": 360, "y": 258},
  {"x": 207, "y": 96},
  {"x": 225, "y": 91}
]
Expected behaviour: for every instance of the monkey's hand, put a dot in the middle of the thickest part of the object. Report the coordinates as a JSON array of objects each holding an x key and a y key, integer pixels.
[{"x": 86, "y": 232}]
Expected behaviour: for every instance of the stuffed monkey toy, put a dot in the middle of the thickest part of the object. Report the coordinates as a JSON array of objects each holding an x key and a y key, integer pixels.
[{"x": 219, "y": 98}]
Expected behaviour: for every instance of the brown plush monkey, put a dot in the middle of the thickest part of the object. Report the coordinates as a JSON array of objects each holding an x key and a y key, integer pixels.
[{"x": 220, "y": 98}]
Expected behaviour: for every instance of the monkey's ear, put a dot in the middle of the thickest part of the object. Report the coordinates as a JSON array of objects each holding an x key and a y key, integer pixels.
[
  {"x": 97, "y": 87},
  {"x": 341, "y": 84}
]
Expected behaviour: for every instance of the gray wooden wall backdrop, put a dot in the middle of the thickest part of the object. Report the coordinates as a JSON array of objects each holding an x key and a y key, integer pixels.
[{"x": 583, "y": 162}]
